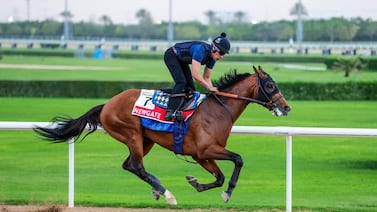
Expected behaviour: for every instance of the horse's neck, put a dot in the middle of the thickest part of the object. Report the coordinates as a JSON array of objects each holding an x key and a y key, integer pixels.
[{"x": 245, "y": 88}]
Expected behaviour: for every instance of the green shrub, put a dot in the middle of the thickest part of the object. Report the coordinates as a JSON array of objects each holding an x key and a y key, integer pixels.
[{"x": 371, "y": 62}]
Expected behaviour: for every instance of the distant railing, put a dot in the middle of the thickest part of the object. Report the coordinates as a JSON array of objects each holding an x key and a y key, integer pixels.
[{"x": 254, "y": 47}]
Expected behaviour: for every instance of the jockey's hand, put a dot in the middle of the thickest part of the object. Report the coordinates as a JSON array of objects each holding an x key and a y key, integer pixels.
[{"x": 213, "y": 89}]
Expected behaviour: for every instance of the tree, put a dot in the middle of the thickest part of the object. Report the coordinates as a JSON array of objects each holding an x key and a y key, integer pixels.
[
  {"x": 350, "y": 31},
  {"x": 14, "y": 29},
  {"x": 211, "y": 15},
  {"x": 146, "y": 26},
  {"x": 333, "y": 27},
  {"x": 106, "y": 20},
  {"x": 144, "y": 16},
  {"x": 348, "y": 64},
  {"x": 281, "y": 31},
  {"x": 262, "y": 31},
  {"x": 50, "y": 27},
  {"x": 187, "y": 32},
  {"x": 239, "y": 17},
  {"x": 367, "y": 31}
]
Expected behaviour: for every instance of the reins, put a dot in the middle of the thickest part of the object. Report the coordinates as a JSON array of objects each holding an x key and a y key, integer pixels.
[{"x": 250, "y": 100}]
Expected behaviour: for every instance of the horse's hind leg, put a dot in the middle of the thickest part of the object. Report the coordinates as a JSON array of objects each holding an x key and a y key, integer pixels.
[
  {"x": 213, "y": 169},
  {"x": 134, "y": 164}
]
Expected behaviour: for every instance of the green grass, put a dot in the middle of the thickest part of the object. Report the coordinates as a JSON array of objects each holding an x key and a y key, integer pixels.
[
  {"x": 155, "y": 70},
  {"x": 329, "y": 173}
]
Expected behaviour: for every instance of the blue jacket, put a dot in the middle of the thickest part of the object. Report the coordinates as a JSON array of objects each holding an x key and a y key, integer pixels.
[{"x": 195, "y": 50}]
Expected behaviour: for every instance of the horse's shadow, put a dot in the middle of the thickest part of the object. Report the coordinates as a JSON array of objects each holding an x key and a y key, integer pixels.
[{"x": 358, "y": 164}]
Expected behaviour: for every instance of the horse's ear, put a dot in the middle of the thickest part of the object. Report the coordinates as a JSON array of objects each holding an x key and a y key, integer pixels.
[{"x": 255, "y": 69}]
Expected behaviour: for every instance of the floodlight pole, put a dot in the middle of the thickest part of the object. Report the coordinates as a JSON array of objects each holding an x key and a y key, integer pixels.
[
  {"x": 66, "y": 26},
  {"x": 28, "y": 10},
  {"x": 170, "y": 33},
  {"x": 299, "y": 34}
]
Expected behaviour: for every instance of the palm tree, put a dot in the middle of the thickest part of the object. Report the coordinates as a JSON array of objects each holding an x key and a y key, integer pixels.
[
  {"x": 349, "y": 64},
  {"x": 239, "y": 16},
  {"x": 145, "y": 23},
  {"x": 211, "y": 15},
  {"x": 144, "y": 16},
  {"x": 106, "y": 20}
]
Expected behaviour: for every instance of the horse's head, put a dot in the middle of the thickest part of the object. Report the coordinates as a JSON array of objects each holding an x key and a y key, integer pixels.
[{"x": 269, "y": 93}]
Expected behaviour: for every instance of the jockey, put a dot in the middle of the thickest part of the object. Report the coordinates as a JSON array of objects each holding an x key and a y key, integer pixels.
[{"x": 195, "y": 53}]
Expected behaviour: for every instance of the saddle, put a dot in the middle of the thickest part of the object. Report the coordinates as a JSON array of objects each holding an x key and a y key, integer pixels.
[
  {"x": 152, "y": 104},
  {"x": 151, "y": 107},
  {"x": 189, "y": 99}
]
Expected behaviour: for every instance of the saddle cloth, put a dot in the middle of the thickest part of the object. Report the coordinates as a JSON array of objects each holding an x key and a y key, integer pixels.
[{"x": 151, "y": 107}]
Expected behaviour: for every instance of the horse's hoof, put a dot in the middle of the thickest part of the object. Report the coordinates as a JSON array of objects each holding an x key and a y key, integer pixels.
[
  {"x": 225, "y": 196},
  {"x": 155, "y": 194},
  {"x": 170, "y": 198},
  {"x": 191, "y": 179}
]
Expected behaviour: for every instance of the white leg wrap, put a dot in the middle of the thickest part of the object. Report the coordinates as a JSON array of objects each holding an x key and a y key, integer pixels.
[{"x": 170, "y": 199}]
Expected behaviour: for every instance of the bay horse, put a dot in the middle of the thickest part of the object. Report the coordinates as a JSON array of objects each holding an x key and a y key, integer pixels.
[{"x": 207, "y": 133}]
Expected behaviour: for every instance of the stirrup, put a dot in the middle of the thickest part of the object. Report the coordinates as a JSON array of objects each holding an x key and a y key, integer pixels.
[
  {"x": 169, "y": 115},
  {"x": 178, "y": 115}
]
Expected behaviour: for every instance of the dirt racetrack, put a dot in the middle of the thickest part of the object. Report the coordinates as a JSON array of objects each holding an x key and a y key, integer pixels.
[{"x": 60, "y": 208}]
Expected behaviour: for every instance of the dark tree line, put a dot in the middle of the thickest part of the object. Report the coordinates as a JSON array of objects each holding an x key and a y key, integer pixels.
[{"x": 334, "y": 29}]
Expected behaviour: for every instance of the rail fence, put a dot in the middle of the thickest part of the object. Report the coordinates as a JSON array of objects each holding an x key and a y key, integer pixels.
[{"x": 288, "y": 132}]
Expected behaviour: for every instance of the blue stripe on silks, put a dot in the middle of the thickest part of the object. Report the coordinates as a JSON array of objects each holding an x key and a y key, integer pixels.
[{"x": 179, "y": 126}]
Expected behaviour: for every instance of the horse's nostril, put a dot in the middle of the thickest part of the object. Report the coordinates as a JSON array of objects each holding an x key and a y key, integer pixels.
[{"x": 287, "y": 108}]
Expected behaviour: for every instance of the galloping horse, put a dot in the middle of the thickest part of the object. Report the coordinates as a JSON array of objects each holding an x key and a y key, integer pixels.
[{"x": 206, "y": 136}]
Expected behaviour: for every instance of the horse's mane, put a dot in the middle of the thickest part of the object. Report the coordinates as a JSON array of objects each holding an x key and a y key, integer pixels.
[{"x": 229, "y": 79}]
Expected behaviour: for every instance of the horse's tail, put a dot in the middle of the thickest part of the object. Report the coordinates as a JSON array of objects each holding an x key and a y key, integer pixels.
[{"x": 65, "y": 128}]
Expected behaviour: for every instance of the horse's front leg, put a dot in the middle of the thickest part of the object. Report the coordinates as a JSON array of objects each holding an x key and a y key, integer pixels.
[
  {"x": 157, "y": 188},
  {"x": 238, "y": 163},
  {"x": 211, "y": 167}
]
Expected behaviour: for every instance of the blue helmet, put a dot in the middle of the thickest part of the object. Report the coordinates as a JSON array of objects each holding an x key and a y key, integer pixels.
[{"x": 222, "y": 43}]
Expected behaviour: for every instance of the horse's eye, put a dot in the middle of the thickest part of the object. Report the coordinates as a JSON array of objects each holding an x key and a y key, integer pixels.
[{"x": 269, "y": 87}]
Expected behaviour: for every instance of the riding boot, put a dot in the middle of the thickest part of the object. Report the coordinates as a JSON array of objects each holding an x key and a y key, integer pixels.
[{"x": 174, "y": 104}]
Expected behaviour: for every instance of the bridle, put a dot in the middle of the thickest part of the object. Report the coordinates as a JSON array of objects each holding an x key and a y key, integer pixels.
[
  {"x": 263, "y": 87},
  {"x": 270, "y": 103}
]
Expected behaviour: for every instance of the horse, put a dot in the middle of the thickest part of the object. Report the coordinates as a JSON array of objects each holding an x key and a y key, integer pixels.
[{"x": 206, "y": 137}]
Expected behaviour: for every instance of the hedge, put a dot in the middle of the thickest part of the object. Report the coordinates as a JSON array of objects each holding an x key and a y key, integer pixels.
[
  {"x": 329, "y": 91},
  {"x": 76, "y": 89},
  {"x": 98, "y": 89}
]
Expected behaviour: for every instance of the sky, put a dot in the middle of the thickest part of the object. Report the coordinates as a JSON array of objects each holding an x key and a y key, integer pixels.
[{"x": 124, "y": 11}]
